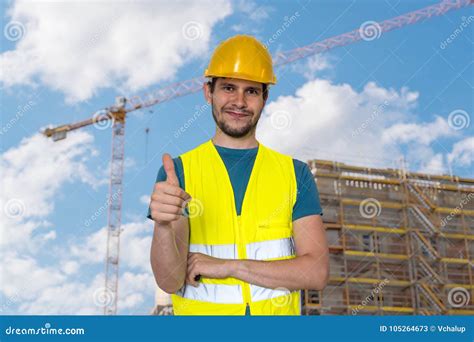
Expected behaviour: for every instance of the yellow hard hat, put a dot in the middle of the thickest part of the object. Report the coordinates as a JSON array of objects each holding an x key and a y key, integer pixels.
[{"x": 242, "y": 57}]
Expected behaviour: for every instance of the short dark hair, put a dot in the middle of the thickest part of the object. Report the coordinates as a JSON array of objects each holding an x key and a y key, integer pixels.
[{"x": 212, "y": 86}]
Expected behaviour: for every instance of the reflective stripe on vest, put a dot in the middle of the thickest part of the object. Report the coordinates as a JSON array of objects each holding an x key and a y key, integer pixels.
[
  {"x": 215, "y": 293},
  {"x": 270, "y": 249},
  {"x": 262, "y": 250},
  {"x": 263, "y": 293},
  {"x": 217, "y": 251}
]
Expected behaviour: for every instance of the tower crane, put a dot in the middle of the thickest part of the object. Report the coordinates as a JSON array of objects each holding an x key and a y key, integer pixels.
[{"x": 118, "y": 114}]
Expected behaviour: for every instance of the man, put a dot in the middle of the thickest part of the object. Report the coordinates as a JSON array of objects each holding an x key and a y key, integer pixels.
[{"x": 253, "y": 236}]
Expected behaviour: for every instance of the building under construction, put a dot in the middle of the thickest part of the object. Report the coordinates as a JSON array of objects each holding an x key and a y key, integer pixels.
[{"x": 399, "y": 242}]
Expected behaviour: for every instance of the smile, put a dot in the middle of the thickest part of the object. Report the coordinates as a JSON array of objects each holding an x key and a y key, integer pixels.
[{"x": 236, "y": 115}]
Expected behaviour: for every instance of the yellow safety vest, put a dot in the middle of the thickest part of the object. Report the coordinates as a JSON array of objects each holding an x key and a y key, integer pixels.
[{"x": 263, "y": 231}]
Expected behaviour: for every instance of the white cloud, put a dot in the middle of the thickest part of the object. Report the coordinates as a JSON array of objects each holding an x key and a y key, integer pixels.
[
  {"x": 92, "y": 250},
  {"x": 132, "y": 288},
  {"x": 51, "y": 235},
  {"x": 431, "y": 162},
  {"x": 70, "y": 267},
  {"x": 253, "y": 10},
  {"x": 124, "y": 45},
  {"x": 33, "y": 174},
  {"x": 84, "y": 297},
  {"x": 145, "y": 199},
  {"x": 462, "y": 152},
  {"x": 313, "y": 65},
  {"x": 23, "y": 278},
  {"x": 34, "y": 288},
  {"x": 369, "y": 128},
  {"x": 334, "y": 121},
  {"x": 424, "y": 133},
  {"x": 73, "y": 298},
  {"x": 418, "y": 139},
  {"x": 65, "y": 297},
  {"x": 135, "y": 243}
]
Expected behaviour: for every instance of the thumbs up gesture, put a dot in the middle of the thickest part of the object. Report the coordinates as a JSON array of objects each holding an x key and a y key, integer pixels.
[
  {"x": 168, "y": 164},
  {"x": 168, "y": 200}
]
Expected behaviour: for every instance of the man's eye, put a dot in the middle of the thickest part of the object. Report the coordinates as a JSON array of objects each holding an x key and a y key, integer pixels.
[
  {"x": 228, "y": 88},
  {"x": 253, "y": 91}
]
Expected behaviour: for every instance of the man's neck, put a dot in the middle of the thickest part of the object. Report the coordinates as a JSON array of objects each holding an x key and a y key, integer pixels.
[{"x": 224, "y": 140}]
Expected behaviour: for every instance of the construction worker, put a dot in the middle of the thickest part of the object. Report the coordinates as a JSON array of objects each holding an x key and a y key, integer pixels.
[{"x": 251, "y": 236}]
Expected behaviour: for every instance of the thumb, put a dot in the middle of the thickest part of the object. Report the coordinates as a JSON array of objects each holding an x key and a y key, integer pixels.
[{"x": 168, "y": 164}]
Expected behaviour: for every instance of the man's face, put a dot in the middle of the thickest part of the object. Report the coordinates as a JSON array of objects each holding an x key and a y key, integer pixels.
[{"x": 236, "y": 105}]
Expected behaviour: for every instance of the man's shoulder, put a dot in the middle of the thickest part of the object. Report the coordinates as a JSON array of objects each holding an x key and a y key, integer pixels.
[
  {"x": 300, "y": 164},
  {"x": 276, "y": 154},
  {"x": 196, "y": 149},
  {"x": 302, "y": 170},
  {"x": 178, "y": 163}
]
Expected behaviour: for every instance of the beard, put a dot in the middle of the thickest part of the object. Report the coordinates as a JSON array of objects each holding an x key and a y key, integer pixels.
[{"x": 231, "y": 131}]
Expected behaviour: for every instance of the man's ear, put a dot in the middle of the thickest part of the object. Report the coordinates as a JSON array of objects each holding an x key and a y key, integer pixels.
[
  {"x": 265, "y": 94},
  {"x": 265, "y": 98},
  {"x": 207, "y": 92}
]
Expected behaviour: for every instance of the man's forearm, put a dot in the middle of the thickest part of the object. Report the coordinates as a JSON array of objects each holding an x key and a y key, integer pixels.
[
  {"x": 302, "y": 272},
  {"x": 169, "y": 267}
]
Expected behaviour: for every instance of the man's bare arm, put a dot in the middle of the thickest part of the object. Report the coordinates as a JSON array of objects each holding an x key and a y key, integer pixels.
[
  {"x": 169, "y": 251},
  {"x": 169, "y": 247},
  {"x": 308, "y": 270}
]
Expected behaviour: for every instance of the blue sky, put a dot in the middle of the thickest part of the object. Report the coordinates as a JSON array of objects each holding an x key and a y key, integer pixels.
[{"x": 407, "y": 93}]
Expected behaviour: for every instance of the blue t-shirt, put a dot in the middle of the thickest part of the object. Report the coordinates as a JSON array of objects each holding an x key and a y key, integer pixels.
[{"x": 239, "y": 164}]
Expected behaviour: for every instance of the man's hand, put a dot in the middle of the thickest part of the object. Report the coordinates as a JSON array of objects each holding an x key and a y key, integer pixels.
[
  {"x": 204, "y": 265},
  {"x": 168, "y": 200}
]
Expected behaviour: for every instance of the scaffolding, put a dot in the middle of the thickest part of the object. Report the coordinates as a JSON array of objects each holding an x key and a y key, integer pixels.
[{"x": 400, "y": 242}]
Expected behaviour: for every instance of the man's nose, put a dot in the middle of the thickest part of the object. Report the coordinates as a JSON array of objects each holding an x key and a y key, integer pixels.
[{"x": 239, "y": 100}]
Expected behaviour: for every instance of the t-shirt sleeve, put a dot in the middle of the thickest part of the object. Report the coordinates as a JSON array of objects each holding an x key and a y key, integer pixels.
[
  {"x": 307, "y": 199},
  {"x": 161, "y": 176}
]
